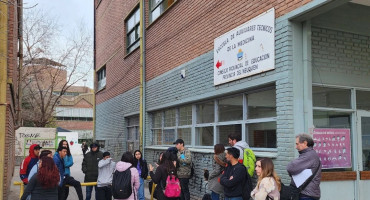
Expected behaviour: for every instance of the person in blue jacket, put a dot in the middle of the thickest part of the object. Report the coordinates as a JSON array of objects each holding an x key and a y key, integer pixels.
[
  {"x": 68, "y": 179},
  {"x": 58, "y": 159}
]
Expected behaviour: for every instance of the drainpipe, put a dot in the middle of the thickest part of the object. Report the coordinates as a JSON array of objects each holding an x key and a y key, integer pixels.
[
  {"x": 20, "y": 65},
  {"x": 95, "y": 88},
  {"x": 142, "y": 77},
  {"x": 3, "y": 85}
]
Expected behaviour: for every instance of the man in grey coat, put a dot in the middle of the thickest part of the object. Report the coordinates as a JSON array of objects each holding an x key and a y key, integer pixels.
[{"x": 307, "y": 159}]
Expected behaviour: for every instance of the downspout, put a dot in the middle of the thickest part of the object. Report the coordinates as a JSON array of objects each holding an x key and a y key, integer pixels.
[
  {"x": 3, "y": 85},
  {"x": 142, "y": 77},
  {"x": 94, "y": 96},
  {"x": 20, "y": 65}
]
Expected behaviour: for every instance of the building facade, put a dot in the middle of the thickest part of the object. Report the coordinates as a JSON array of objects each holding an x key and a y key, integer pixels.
[
  {"x": 320, "y": 79},
  {"x": 9, "y": 76}
]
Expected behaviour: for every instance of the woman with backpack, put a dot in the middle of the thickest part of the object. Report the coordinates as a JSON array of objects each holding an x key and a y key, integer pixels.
[
  {"x": 268, "y": 185},
  {"x": 213, "y": 184},
  {"x": 142, "y": 168},
  {"x": 165, "y": 176},
  {"x": 125, "y": 169}
]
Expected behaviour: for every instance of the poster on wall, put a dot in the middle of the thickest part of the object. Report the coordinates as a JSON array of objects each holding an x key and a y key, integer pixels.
[
  {"x": 246, "y": 50},
  {"x": 333, "y": 145}
]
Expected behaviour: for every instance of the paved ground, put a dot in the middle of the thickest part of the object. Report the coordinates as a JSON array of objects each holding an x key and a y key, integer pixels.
[{"x": 75, "y": 172}]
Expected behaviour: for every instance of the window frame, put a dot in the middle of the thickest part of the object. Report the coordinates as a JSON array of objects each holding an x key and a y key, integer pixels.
[
  {"x": 135, "y": 28},
  {"x": 101, "y": 78},
  {"x": 151, "y": 20}
]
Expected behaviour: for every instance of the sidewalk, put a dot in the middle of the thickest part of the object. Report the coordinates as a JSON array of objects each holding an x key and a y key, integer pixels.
[{"x": 75, "y": 172}]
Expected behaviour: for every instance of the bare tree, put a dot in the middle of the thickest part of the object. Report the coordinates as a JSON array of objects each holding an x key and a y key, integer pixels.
[{"x": 52, "y": 64}]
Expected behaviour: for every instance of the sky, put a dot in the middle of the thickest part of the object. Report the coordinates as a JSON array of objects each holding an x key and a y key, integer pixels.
[{"x": 69, "y": 14}]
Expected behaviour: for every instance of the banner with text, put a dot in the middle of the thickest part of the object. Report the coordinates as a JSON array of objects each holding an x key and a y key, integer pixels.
[
  {"x": 333, "y": 145},
  {"x": 246, "y": 50}
]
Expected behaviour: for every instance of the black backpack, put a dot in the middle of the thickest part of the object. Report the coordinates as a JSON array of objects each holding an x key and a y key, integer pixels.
[
  {"x": 121, "y": 184},
  {"x": 247, "y": 187}
]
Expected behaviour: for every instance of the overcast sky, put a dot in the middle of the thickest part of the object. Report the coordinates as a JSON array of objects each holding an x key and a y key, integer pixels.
[{"x": 69, "y": 14}]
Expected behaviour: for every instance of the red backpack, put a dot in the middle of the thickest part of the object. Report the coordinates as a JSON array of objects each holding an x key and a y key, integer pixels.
[{"x": 173, "y": 188}]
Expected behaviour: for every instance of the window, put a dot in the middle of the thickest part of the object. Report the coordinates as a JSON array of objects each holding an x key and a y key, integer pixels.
[
  {"x": 363, "y": 100},
  {"x": 211, "y": 122},
  {"x": 133, "y": 30},
  {"x": 157, "y": 7},
  {"x": 101, "y": 78},
  {"x": 133, "y": 133},
  {"x": 331, "y": 97}
]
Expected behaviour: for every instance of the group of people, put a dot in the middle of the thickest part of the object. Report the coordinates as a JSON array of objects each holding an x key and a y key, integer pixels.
[
  {"x": 228, "y": 174},
  {"x": 47, "y": 175}
]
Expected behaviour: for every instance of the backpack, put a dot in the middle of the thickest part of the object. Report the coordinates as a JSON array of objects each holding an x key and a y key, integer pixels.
[
  {"x": 121, "y": 184},
  {"x": 249, "y": 161},
  {"x": 247, "y": 187},
  {"x": 173, "y": 188}
]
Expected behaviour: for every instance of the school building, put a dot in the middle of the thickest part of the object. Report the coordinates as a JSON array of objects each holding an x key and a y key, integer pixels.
[{"x": 269, "y": 70}]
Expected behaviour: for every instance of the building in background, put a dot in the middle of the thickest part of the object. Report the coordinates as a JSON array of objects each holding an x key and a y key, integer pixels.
[
  {"x": 209, "y": 73},
  {"x": 10, "y": 41}
]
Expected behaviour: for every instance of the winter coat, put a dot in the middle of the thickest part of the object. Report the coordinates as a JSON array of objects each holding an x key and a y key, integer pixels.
[
  {"x": 135, "y": 182},
  {"x": 37, "y": 191},
  {"x": 241, "y": 145},
  {"x": 60, "y": 165},
  {"x": 68, "y": 162},
  {"x": 216, "y": 173},
  {"x": 143, "y": 168},
  {"x": 27, "y": 164},
  {"x": 90, "y": 165},
  {"x": 159, "y": 178},
  {"x": 106, "y": 169},
  {"x": 184, "y": 160},
  {"x": 233, "y": 187},
  {"x": 307, "y": 159}
]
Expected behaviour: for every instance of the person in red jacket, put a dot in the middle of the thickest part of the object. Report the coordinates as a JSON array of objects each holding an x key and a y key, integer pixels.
[{"x": 29, "y": 162}]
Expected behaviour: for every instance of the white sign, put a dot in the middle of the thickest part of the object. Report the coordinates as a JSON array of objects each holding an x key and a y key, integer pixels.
[
  {"x": 246, "y": 50},
  {"x": 32, "y": 136}
]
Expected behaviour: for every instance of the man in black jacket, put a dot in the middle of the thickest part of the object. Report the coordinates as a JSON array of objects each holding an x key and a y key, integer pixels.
[
  {"x": 90, "y": 167},
  {"x": 233, "y": 176}
]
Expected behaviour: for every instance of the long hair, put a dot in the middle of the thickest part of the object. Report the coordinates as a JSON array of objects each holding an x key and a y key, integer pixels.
[
  {"x": 61, "y": 144},
  {"x": 219, "y": 148},
  {"x": 167, "y": 162},
  {"x": 48, "y": 174},
  {"x": 140, "y": 160},
  {"x": 127, "y": 157},
  {"x": 268, "y": 170}
]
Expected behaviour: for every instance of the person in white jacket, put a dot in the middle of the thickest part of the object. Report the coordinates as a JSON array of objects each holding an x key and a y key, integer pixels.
[
  {"x": 105, "y": 175},
  {"x": 235, "y": 141}
]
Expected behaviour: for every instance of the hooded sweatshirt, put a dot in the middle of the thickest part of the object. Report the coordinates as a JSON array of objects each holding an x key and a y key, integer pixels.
[
  {"x": 135, "y": 182},
  {"x": 241, "y": 145},
  {"x": 106, "y": 169},
  {"x": 27, "y": 164}
]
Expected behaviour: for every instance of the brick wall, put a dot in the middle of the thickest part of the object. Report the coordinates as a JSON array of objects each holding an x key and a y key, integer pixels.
[
  {"x": 76, "y": 125},
  {"x": 337, "y": 52},
  {"x": 182, "y": 33}
]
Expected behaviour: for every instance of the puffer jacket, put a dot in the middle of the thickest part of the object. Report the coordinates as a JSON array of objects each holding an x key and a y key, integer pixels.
[
  {"x": 135, "y": 182},
  {"x": 184, "y": 160},
  {"x": 216, "y": 173},
  {"x": 90, "y": 165},
  {"x": 307, "y": 159}
]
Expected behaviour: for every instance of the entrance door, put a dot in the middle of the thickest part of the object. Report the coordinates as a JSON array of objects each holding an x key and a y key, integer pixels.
[{"x": 363, "y": 129}]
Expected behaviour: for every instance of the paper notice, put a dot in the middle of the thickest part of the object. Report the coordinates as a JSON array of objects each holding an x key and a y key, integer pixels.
[{"x": 300, "y": 178}]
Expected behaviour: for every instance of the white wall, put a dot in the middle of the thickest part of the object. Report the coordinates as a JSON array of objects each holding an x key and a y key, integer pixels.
[{"x": 72, "y": 137}]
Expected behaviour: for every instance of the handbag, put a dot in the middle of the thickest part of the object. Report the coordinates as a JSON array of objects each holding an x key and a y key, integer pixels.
[{"x": 291, "y": 192}]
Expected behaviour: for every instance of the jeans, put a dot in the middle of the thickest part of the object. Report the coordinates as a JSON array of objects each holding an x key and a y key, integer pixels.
[
  {"x": 185, "y": 194},
  {"x": 89, "y": 189},
  {"x": 215, "y": 196},
  {"x": 140, "y": 192},
  {"x": 69, "y": 180},
  {"x": 104, "y": 193},
  {"x": 233, "y": 198}
]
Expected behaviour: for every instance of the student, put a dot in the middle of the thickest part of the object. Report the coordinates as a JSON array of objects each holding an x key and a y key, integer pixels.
[
  {"x": 106, "y": 169},
  {"x": 35, "y": 168},
  {"x": 29, "y": 162},
  {"x": 58, "y": 160},
  {"x": 166, "y": 166},
  {"x": 68, "y": 179},
  {"x": 268, "y": 185},
  {"x": 90, "y": 167},
  {"x": 142, "y": 168},
  {"x": 44, "y": 185},
  {"x": 233, "y": 176},
  {"x": 213, "y": 184},
  {"x": 184, "y": 167},
  {"x": 127, "y": 162}
]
